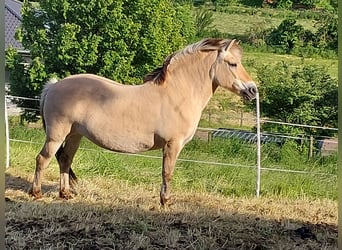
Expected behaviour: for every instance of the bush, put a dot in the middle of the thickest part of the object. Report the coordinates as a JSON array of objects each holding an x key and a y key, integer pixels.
[
  {"x": 292, "y": 38},
  {"x": 287, "y": 35},
  {"x": 121, "y": 40},
  {"x": 302, "y": 95},
  {"x": 327, "y": 33}
]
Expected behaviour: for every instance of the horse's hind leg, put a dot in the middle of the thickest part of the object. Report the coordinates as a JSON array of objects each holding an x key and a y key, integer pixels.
[
  {"x": 72, "y": 176},
  {"x": 64, "y": 157},
  {"x": 42, "y": 161}
]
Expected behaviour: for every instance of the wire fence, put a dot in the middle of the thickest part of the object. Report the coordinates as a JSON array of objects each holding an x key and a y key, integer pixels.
[
  {"x": 208, "y": 130},
  {"x": 223, "y": 164}
]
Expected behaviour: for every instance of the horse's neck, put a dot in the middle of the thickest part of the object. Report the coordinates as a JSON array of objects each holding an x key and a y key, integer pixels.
[{"x": 191, "y": 76}]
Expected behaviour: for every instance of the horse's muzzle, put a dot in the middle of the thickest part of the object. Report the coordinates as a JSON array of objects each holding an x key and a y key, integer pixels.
[{"x": 249, "y": 93}]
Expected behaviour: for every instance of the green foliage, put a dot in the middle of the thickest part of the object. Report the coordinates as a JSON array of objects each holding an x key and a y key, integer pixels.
[
  {"x": 122, "y": 40},
  {"x": 224, "y": 2},
  {"x": 334, "y": 3},
  {"x": 293, "y": 38},
  {"x": 287, "y": 35},
  {"x": 327, "y": 34},
  {"x": 29, "y": 78},
  {"x": 284, "y": 4},
  {"x": 187, "y": 21},
  {"x": 160, "y": 32},
  {"x": 302, "y": 4},
  {"x": 203, "y": 21},
  {"x": 279, "y": 4},
  {"x": 252, "y": 3},
  {"x": 102, "y": 37},
  {"x": 304, "y": 94},
  {"x": 307, "y": 3}
]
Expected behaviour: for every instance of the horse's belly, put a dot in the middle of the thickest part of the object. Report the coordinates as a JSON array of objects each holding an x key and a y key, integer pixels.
[
  {"x": 121, "y": 143},
  {"x": 130, "y": 145}
]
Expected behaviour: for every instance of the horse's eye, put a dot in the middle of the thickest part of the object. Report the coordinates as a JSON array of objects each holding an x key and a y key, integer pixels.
[{"x": 232, "y": 64}]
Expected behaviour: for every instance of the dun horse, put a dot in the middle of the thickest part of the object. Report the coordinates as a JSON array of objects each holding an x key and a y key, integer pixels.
[{"x": 163, "y": 112}]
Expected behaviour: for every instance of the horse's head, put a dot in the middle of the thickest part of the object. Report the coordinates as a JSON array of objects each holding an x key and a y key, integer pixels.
[{"x": 228, "y": 72}]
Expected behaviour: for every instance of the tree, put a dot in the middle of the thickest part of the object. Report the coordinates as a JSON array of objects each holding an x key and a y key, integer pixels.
[
  {"x": 119, "y": 39},
  {"x": 287, "y": 35},
  {"x": 326, "y": 35},
  {"x": 26, "y": 82},
  {"x": 204, "y": 21},
  {"x": 304, "y": 95}
]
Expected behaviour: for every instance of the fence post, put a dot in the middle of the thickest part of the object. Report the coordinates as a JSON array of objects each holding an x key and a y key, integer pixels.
[
  {"x": 258, "y": 145},
  {"x": 311, "y": 147},
  {"x": 241, "y": 118},
  {"x": 7, "y": 136}
]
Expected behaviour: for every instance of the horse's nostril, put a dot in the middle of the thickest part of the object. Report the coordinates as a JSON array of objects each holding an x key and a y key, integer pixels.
[
  {"x": 253, "y": 90},
  {"x": 250, "y": 92}
]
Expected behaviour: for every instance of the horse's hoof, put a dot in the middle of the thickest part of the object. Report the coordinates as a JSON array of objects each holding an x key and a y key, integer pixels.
[
  {"x": 37, "y": 194},
  {"x": 66, "y": 195},
  {"x": 164, "y": 200}
]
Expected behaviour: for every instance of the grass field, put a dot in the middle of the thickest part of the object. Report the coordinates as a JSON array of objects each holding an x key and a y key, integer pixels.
[
  {"x": 250, "y": 59},
  {"x": 241, "y": 24},
  {"x": 214, "y": 205},
  {"x": 208, "y": 178}
]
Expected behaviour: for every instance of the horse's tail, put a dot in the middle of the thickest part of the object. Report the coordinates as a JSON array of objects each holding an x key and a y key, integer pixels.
[{"x": 43, "y": 96}]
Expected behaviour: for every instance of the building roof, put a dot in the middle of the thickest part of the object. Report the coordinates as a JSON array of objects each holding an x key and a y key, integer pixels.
[{"x": 12, "y": 22}]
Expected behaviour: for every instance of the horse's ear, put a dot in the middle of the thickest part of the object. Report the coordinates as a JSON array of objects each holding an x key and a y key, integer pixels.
[{"x": 229, "y": 45}]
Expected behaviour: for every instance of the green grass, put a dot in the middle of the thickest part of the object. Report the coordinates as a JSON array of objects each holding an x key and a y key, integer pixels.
[
  {"x": 224, "y": 180},
  {"x": 240, "y": 21},
  {"x": 250, "y": 59},
  {"x": 238, "y": 24}
]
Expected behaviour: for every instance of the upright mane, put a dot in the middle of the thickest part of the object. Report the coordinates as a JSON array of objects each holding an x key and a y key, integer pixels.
[{"x": 158, "y": 75}]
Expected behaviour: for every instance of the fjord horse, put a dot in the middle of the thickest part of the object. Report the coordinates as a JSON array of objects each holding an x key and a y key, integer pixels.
[{"x": 163, "y": 112}]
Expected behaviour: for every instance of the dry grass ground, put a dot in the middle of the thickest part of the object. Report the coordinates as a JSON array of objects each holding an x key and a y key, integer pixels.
[{"x": 111, "y": 214}]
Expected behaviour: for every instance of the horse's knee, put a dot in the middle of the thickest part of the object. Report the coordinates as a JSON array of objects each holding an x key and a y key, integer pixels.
[{"x": 40, "y": 162}]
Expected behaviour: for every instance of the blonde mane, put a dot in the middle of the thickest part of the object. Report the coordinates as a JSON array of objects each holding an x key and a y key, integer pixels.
[{"x": 158, "y": 75}]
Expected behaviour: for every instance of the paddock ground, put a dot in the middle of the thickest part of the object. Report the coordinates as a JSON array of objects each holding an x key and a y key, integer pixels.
[{"x": 112, "y": 214}]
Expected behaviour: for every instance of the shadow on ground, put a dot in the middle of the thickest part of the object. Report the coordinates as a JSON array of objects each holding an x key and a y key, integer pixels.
[
  {"x": 18, "y": 183},
  {"x": 60, "y": 224}
]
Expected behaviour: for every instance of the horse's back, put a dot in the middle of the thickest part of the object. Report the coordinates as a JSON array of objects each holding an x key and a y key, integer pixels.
[{"x": 115, "y": 116}]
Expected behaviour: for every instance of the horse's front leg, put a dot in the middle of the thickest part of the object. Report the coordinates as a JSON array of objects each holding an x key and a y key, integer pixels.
[{"x": 171, "y": 151}]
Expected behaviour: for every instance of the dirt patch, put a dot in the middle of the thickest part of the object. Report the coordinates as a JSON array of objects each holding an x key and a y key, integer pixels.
[{"x": 109, "y": 214}]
